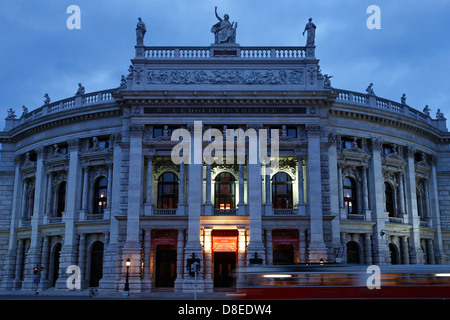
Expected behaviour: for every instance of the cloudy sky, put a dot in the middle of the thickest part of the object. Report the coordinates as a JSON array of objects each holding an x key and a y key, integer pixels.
[{"x": 39, "y": 54}]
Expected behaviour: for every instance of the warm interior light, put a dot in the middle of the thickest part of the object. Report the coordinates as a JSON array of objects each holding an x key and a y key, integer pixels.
[{"x": 442, "y": 274}]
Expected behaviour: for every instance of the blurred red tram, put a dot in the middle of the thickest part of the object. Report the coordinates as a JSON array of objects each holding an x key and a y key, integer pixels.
[{"x": 346, "y": 282}]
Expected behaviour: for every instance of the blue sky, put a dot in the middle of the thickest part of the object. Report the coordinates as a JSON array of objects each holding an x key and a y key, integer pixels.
[{"x": 409, "y": 54}]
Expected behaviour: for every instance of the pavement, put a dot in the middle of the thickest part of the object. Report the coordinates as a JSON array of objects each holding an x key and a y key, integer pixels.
[{"x": 53, "y": 294}]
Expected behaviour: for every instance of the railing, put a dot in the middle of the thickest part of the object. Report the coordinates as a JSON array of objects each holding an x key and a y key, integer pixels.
[
  {"x": 225, "y": 212},
  {"x": 79, "y": 101},
  {"x": 164, "y": 212},
  {"x": 395, "y": 220},
  {"x": 352, "y": 216},
  {"x": 94, "y": 217},
  {"x": 54, "y": 220},
  {"x": 284, "y": 212},
  {"x": 208, "y": 52},
  {"x": 366, "y": 100}
]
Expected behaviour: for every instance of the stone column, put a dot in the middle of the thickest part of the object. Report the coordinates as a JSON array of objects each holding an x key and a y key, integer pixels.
[
  {"x": 317, "y": 248},
  {"x": 268, "y": 210},
  {"x": 342, "y": 211},
  {"x": 404, "y": 249},
  {"x": 241, "y": 254},
  {"x": 416, "y": 254},
  {"x": 182, "y": 184},
  {"x": 180, "y": 261},
  {"x": 401, "y": 195},
  {"x": 435, "y": 212},
  {"x": 430, "y": 251},
  {"x": 302, "y": 245},
  {"x": 208, "y": 204},
  {"x": 82, "y": 258},
  {"x": 301, "y": 210},
  {"x": 368, "y": 248},
  {"x": 365, "y": 193},
  {"x": 269, "y": 246},
  {"x": 109, "y": 191},
  {"x": 84, "y": 200},
  {"x": 111, "y": 256},
  {"x": 147, "y": 281},
  {"x": 69, "y": 251},
  {"x": 254, "y": 182},
  {"x": 132, "y": 247},
  {"x": 48, "y": 211},
  {"x": 19, "y": 264},
  {"x": 45, "y": 263},
  {"x": 24, "y": 213},
  {"x": 241, "y": 206},
  {"x": 194, "y": 207},
  {"x": 10, "y": 259},
  {"x": 148, "y": 194},
  {"x": 208, "y": 259},
  {"x": 379, "y": 215},
  {"x": 34, "y": 253}
]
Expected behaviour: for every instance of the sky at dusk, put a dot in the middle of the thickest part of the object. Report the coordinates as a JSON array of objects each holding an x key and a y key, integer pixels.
[{"x": 39, "y": 54}]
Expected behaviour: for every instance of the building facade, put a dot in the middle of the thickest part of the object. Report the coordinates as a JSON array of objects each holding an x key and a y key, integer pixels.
[{"x": 89, "y": 181}]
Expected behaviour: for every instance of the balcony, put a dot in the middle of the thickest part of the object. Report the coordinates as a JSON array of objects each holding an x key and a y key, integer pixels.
[
  {"x": 284, "y": 212},
  {"x": 164, "y": 212},
  {"x": 225, "y": 212}
]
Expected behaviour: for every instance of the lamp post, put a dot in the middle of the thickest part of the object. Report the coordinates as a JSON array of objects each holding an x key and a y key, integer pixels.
[{"x": 127, "y": 285}]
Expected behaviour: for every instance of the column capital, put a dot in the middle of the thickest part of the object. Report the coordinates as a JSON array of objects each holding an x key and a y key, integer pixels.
[
  {"x": 313, "y": 130},
  {"x": 74, "y": 144},
  {"x": 377, "y": 144},
  {"x": 136, "y": 130}
]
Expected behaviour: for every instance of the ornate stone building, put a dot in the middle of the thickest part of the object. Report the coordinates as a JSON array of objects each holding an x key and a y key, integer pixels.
[{"x": 89, "y": 180}]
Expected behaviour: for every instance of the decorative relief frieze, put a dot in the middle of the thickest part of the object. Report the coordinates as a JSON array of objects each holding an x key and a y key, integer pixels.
[{"x": 295, "y": 76}]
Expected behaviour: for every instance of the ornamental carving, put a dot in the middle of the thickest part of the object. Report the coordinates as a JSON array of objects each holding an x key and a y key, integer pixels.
[{"x": 295, "y": 76}]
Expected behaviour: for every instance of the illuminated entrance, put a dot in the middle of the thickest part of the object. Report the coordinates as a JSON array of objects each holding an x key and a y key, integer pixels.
[{"x": 224, "y": 245}]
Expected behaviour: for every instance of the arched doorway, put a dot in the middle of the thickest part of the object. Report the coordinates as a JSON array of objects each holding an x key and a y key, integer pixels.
[
  {"x": 96, "y": 272},
  {"x": 353, "y": 252},
  {"x": 55, "y": 264},
  {"x": 394, "y": 253}
]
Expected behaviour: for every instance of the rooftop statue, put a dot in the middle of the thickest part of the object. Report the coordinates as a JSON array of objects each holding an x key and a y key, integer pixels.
[
  {"x": 140, "y": 32},
  {"x": 224, "y": 31},
  {"x": 427, "y": 110},
  {"x": 403, "y": 98},
  {"x": 439, "y": 114},
  {"x": 11, "y": 114},
  {"x": 310, "y": 30},
  {"x": 369, "y": 90},
  {"x": 80, "y": 90},
  {"x": 46, "y": 99}
]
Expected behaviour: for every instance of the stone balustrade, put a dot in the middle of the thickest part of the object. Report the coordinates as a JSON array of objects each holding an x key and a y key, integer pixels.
[
  {"x": 235, "y": 50},
  {"x": 366, "y": 100}
]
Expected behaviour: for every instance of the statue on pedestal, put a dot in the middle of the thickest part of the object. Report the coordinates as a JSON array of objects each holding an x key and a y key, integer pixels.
[
  {"x": 140, "y": 32},
  {"x": 224, "y": 31},
  {"x": 310, "y": 30}
]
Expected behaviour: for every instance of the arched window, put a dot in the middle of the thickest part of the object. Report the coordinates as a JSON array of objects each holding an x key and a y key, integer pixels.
[
  {"x": 389, "y": 198},
  {"x": 168, "y": 191},
  {"x": 350, "y": 199},
  {"x": 224, "y": 194},
  {"x": 61, "y": 199},
  {"x": 100, "y": 195},
  {"x": 282, "y": 191},
  {"x": 394, "y": 253}
]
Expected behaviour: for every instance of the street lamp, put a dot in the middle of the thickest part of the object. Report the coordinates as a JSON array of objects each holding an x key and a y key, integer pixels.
[{"x": 127, "y": 285}]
